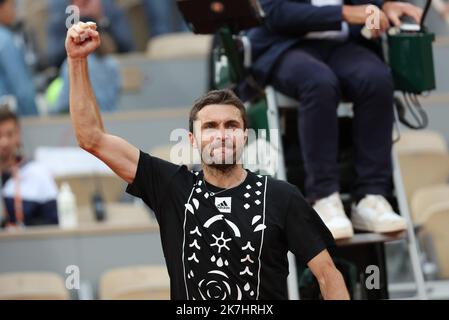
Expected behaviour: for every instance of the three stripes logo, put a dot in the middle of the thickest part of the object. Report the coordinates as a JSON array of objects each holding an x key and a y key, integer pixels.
[{"x": 223, "y": 204}]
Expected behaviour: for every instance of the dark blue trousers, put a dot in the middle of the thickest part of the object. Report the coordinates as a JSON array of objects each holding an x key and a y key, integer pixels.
[{"x": 318, "y": 73}]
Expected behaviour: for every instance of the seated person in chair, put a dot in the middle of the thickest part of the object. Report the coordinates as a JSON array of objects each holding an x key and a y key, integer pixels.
[
  {"x": 111, "y": 20},
  {"x": 312, "y": 52},
  {"x": 28, "y": 192},
  {"x": 15, "y": 78}
]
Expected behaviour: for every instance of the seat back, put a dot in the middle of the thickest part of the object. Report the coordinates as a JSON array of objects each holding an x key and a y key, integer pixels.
[
  {"x": 136, "y": 283},
  {"x": 427, "y": 200},
  {"x": 422, "y": 170},
  {"x": 32, "y": 286},
  {"x": 422, "y": 141},
  {"x": 84, "y": 186},
  {"x": 436, "y": 229},
  {"x": 167, "y": 46}
]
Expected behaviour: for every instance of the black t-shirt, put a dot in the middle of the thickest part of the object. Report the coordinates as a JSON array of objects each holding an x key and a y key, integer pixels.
[{"x": 229, "y": 244}]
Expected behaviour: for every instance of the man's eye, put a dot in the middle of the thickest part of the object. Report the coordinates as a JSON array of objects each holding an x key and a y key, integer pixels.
[{"x": 208, "y": 126}]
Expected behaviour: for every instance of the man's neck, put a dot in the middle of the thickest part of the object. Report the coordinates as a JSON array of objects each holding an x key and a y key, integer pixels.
[{"x": 225, "y": 179}]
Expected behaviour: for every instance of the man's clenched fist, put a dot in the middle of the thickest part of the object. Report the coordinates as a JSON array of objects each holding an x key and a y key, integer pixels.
[{"x": 82, "y": 39}]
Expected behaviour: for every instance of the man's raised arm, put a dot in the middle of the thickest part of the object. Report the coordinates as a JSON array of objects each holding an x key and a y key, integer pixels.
[{"x": 118, "y": 154}]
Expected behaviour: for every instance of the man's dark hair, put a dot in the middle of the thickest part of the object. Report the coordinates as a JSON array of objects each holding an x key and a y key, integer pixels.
[
  {"x": 2, "y": 1},
  {"x": 222, "y": 97},
  {"x": 5, "y": 112}
]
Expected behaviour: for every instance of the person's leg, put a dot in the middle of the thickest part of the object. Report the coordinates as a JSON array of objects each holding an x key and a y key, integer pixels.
[
  {"x": 366, "y": 80},
  {"x": 179, "y": 22},
  {"x": 301, "y": 75}
]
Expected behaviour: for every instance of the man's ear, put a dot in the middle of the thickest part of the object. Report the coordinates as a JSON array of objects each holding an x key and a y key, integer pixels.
[{"x": 193, "y": 141}]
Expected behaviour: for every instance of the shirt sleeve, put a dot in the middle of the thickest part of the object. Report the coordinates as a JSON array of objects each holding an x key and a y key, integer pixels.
[
  {"x": 20, "y": 82},
  {"x": 296, "y": 18},
  {"x": 307, "y": 235},
  {"x": 152, "y": 178}
]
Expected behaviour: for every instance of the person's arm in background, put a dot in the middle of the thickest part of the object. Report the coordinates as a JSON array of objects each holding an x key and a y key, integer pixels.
[
  {"x": 118, "y": 154},
  {"x": 332, "y": 284},
  {"x": 112, "y": 96},
  {"x": 63, "y": 101},
  {"x": 296, "y": 18},
  {"x": 18, "y": 77},
  {"x": 118, "y": 27}
]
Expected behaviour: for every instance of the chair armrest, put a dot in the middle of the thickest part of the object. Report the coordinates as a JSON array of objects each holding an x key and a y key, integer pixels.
[{"x": 247, "y": 54}]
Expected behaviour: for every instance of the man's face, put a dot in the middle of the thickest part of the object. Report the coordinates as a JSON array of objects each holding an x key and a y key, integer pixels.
[
  {"x": 220, "y": 135},
  {"x": 8, "y": 13},
  {"x": 9, "y": 139}
]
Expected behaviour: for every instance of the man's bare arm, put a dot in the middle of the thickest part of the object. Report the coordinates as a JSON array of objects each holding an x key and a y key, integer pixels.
[
  {"x": 332, "y": 284},
  {"x": 118, "y": 154}
]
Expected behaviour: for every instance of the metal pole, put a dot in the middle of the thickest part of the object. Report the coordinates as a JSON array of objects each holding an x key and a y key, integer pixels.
[
  {"x": 411, "y": 238},
  {"x": 273, "y": 122}
]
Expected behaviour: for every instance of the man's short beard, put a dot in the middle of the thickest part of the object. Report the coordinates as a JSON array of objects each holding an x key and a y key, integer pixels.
[{"x": 223, "y": 168}]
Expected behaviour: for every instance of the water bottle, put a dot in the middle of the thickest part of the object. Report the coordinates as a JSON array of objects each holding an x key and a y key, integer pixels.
[{"x": 67, "y": 211}]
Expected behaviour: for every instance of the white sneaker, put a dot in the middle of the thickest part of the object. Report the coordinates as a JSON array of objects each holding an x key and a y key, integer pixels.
[
  {"x": 332, "y": 213},
  {"x": 373, "y": 213}
]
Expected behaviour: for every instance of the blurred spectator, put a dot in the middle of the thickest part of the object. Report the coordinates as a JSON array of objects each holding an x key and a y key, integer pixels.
[
  {"x": 446, "y": 11},
  {"x": 442, "y": 7},
  {"x": 104, "y": 75},
  {"x": 313, "y": 52},
  {"x": 32, "y": 201},
  {"x": 164, "y": 17},
  {"x": 15, "y": 78},
  {"x": 110, "y": 19}
]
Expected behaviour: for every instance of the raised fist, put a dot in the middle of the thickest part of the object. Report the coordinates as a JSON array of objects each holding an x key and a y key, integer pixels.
[{"x": 82, "y": 39}]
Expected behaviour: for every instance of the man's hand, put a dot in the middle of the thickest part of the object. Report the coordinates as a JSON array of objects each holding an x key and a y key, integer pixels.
[
  {"x": 82, "y": 39},
  {"x": 396, "y": 10},
  {"x": 359, "y": 15}
]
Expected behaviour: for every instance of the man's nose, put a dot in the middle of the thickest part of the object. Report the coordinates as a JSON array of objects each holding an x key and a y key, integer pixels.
[{"x": 224, "y": 134}]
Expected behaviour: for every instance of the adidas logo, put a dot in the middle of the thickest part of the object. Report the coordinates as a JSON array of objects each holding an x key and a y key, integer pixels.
[{"x": 223, "y": 204}]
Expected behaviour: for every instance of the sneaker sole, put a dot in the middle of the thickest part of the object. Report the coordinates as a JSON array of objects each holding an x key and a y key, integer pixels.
[
  {"x": 342, "y": 233},
  {"x": 363, "y": 226}
]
